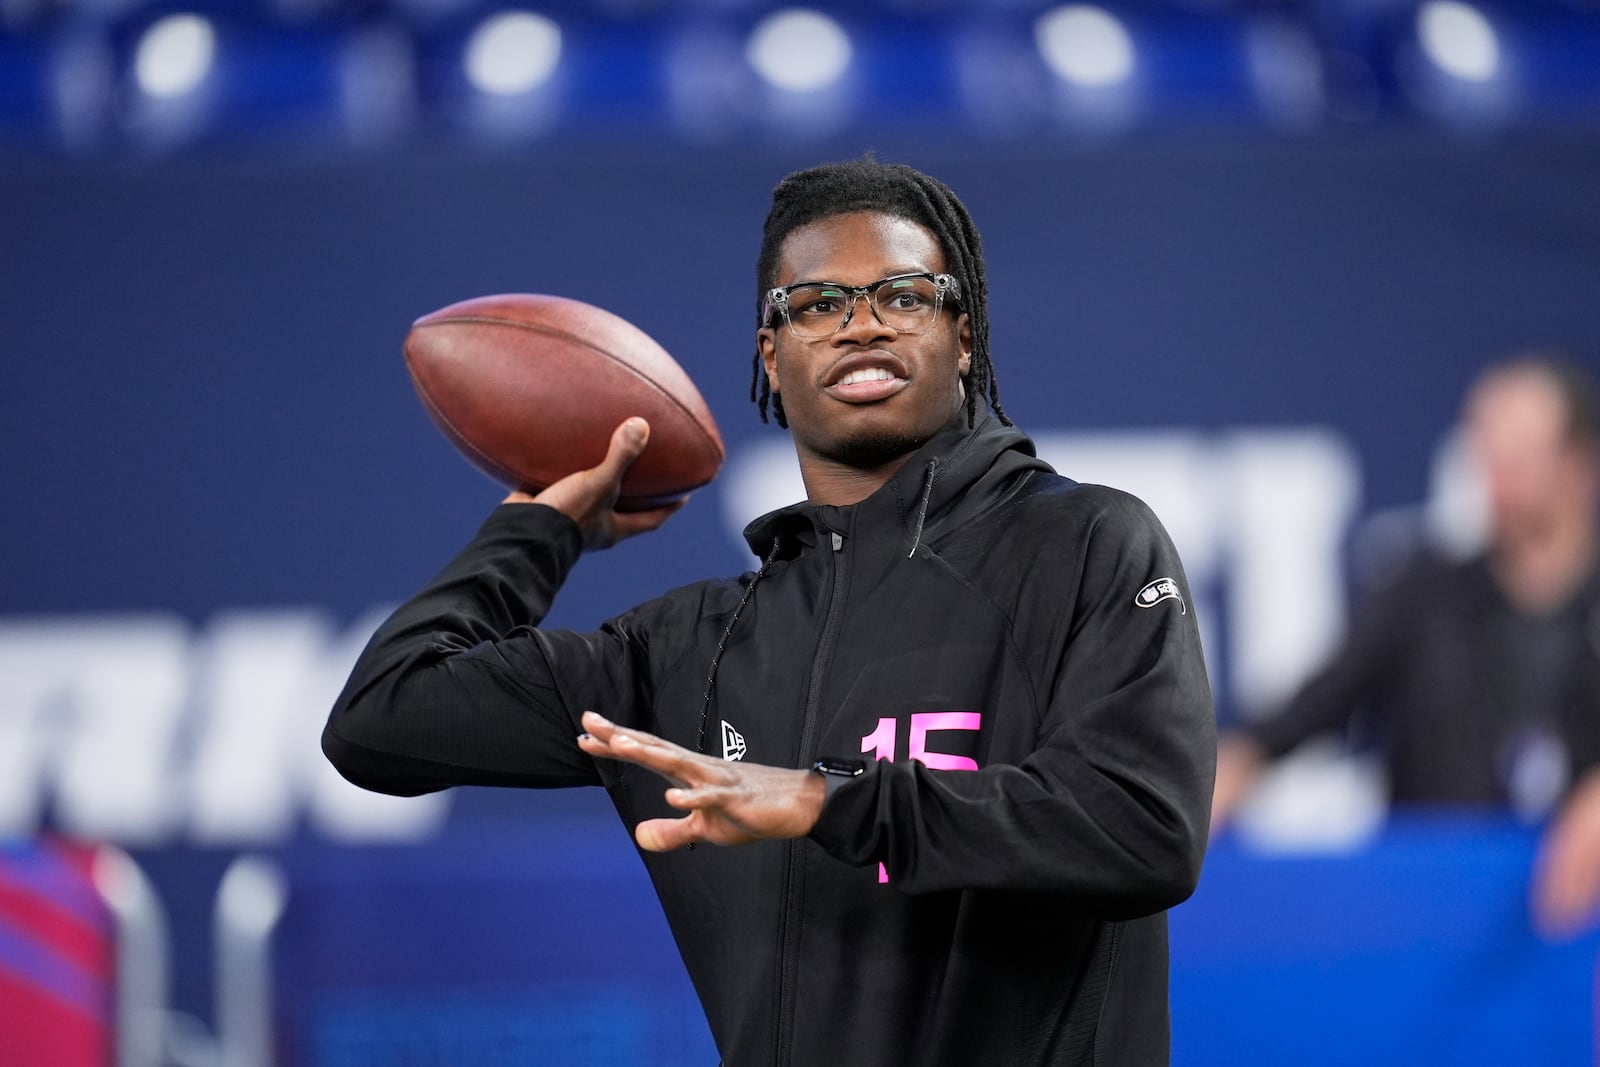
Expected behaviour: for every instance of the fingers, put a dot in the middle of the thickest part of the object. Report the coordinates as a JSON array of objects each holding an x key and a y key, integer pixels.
[
  {"x": 1562, "y": 896},
  {"x": 666, "y": 835},
  {"x": 727, "y": 803},
  {"x": 603, "y": 729},
  {"x": 628, "y": 523},
  {"x": 627, "y": 442},
  {"x": 698, "y": 798},
  {"x": 607, "y": 740},
  {"x": 583, "y": 495},
  {"x": 589, "y": 497},
  {"x": 1566, "y": 889},
  {"x": 1566, "y": 882},
  {"x": 1239, "y": 763}
]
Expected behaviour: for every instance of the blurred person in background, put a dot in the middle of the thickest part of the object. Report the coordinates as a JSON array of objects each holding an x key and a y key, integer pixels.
[{"x": 1480, "y": 679}]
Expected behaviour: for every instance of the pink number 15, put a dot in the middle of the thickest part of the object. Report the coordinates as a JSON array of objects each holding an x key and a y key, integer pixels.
[{"x": 882, "y": 742}]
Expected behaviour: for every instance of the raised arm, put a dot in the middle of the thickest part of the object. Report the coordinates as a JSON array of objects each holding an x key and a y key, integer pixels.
[
  {"x": 459, "y": 686},
  {"x": 1367, "y": 659}
]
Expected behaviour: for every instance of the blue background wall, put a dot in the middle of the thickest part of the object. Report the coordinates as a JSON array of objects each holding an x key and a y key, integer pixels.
[{"x": 204, "y": 408}]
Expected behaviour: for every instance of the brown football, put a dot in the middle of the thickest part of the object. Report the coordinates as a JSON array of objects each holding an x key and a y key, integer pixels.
[{"x": 530, "y": 387}]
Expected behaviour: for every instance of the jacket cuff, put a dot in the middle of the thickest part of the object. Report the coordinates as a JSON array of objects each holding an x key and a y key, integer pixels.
[
  {"x": 540, "y": 522},
  {"x": 845, "y": 829}
]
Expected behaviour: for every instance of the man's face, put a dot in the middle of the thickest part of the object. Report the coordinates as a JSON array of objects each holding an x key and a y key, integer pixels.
[
  {"x": 1516, "y": 427},
  {"x": 840, "y": 405}
]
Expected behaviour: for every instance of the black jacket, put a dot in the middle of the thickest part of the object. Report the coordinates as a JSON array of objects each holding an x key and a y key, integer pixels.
[
  {"x": 1019, "y": 649},
  {"x": 1454, "y": 685}
]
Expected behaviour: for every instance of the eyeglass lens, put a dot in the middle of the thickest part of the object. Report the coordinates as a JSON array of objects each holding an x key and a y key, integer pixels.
[{"x": 905, "y": 304}]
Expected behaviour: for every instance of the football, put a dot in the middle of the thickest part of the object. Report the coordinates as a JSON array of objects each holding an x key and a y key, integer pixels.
[{"x": 530, "y": 387}]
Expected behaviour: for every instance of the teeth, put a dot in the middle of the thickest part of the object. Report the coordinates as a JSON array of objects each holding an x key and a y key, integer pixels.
[{"x": 870, "y": 374}]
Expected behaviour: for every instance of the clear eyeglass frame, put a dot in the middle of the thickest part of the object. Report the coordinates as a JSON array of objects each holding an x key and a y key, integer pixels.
[{"x": 792, "y": 302}]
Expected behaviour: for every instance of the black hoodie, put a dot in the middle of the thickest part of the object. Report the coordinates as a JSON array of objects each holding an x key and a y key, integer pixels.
[{"x": 1018, "y": 650}]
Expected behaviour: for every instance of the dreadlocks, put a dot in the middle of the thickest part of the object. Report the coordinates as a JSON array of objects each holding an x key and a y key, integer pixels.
[{"x": 807, "y": 196}]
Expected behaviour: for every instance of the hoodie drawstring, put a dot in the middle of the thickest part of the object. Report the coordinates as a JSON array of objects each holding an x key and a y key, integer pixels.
[
  {"x": 922, "y": 510},
  {"x": 777, "y": 542},
  {"x": 722, "y": 643}
]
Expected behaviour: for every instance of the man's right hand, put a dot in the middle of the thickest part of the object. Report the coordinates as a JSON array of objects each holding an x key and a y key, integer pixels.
[
  {"x": 1239, "y": 764},
  {"x": 1566, "y": 873},
  {"x": 589, "y": 497}
]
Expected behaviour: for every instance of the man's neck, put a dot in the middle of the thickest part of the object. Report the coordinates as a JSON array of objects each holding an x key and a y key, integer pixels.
[
  {"x": 1540, "y": 568},
  {"x": 838, "y": 484}
]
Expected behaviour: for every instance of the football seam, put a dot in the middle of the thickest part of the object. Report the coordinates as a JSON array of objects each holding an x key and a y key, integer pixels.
[
  {"x": 489, "y": 320},
  {"x": 456, "y": 435}
]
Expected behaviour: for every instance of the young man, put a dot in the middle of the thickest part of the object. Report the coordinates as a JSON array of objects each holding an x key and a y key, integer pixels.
[{"x": 958, "y": 722}]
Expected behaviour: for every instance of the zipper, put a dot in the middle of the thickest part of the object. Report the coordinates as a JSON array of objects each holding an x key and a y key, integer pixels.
[{"x": 794, "y": 888}]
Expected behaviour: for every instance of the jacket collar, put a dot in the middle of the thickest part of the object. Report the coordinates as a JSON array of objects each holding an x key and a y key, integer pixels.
[{"x": 959, "y": 472}]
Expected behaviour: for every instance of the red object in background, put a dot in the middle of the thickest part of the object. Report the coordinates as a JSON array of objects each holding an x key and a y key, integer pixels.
[{"x": 56, "y": 957}]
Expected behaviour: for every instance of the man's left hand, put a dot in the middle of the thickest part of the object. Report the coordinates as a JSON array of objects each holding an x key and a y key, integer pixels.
[{"x": 729, "y": 803}]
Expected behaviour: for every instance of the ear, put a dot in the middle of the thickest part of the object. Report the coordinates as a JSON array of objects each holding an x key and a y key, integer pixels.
[
  {"x": 964, "y": 337},
  {"x": 767, "y": 346}
]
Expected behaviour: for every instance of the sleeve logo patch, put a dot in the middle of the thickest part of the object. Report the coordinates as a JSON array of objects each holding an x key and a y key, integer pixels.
[{"x": 1159, "y": 590}]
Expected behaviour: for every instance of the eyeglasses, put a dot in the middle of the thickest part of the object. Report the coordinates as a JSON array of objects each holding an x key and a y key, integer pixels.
[{"x": 904, "y": 302}]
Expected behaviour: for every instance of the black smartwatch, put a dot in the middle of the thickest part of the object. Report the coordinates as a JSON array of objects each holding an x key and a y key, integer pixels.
[{"x": 832, "y": 767}]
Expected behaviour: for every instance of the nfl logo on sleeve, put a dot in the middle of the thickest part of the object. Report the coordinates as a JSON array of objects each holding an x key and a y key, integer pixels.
[{"x": 1159, "y": 590}]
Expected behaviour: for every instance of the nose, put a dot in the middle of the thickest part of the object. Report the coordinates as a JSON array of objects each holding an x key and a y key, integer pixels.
[{"x": 862, "y": 325}]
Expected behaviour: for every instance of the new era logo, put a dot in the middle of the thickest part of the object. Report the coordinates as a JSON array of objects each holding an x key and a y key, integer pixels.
[{"x": 732, "y": 743}]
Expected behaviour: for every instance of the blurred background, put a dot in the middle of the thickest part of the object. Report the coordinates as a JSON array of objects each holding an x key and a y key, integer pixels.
[{"x": 1245, "y": 257}]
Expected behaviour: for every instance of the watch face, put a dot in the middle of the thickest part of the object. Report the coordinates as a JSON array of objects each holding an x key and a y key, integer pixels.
[{"x": 841, "y": 768}]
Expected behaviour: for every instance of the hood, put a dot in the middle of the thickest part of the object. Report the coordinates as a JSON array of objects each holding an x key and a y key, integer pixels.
[{"x": 959, "y": 472}]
